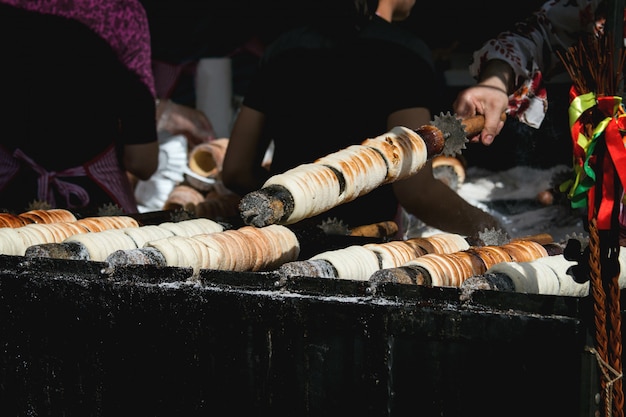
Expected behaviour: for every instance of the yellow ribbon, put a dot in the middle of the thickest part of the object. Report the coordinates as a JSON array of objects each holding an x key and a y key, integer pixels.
[{"x": 584, "y": 175}]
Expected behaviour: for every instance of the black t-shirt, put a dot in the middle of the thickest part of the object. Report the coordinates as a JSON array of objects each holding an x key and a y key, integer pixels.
[{"x": 320, "y": 95}]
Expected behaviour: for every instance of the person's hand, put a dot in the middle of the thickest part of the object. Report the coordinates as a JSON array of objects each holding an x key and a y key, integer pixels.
[
  {"x": 178, "y": 119},
  {"x": 489, "y": 101},
  {"x": 489, "y": 97}
]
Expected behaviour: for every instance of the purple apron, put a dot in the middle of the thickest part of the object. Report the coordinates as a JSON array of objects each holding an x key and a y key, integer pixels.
[{"x": 104, "y": 170}]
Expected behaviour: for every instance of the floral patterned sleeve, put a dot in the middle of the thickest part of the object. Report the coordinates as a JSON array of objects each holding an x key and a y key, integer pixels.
[{"x": 531, "y": 50}]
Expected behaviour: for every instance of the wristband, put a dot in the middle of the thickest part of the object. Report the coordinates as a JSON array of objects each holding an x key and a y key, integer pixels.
[{"x": 493, "y": 88}]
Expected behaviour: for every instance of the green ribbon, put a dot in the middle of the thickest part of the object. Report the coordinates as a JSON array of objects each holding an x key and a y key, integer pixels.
[{"x": 584, "y": 176}]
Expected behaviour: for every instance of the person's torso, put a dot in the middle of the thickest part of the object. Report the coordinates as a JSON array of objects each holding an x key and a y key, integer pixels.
[
  {"x": 65, "y": 90},
  {"x": 318, "y": 100}
]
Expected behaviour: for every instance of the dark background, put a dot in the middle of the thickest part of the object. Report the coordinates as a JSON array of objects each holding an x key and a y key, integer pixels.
[{"x": 186, "y": 30}]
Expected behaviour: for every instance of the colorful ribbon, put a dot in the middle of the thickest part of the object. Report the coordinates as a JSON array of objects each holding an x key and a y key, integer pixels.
[{"x": 581, "y": 190}]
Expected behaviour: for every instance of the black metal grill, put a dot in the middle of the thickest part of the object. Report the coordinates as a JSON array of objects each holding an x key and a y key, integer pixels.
[{"x": 80, "y": 340}]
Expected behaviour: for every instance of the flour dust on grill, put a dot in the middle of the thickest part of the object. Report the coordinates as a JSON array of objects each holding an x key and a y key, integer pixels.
[{"x": 311, "y": 189}]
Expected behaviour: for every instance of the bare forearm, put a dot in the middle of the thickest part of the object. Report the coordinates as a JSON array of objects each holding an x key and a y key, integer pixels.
[{"x": 498, "y": 74}]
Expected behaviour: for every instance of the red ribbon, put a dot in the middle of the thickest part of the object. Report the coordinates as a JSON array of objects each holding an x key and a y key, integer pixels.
[{"x": 613, "y": 162}]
